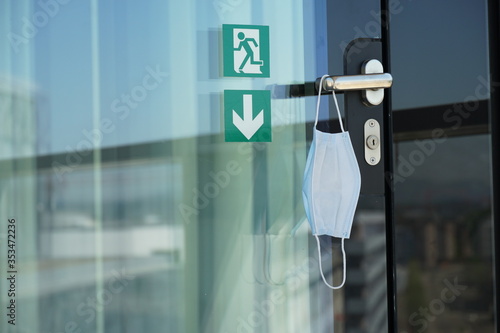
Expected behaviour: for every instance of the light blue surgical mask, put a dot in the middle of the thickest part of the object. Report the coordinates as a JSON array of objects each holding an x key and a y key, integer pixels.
[{"x": 332, "y": 183}]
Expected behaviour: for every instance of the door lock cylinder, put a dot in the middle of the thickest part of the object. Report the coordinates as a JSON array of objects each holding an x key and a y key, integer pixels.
[{"x": 372, "y": 142}]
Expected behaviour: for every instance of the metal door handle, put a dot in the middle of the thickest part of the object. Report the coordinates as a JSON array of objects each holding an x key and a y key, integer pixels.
[
  {"x": 358, "y": 82},
  {"x": 372, "y": 81}
]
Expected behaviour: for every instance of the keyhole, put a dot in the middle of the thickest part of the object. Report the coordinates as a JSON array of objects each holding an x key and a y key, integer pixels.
[{"x": 372, "y": 142}]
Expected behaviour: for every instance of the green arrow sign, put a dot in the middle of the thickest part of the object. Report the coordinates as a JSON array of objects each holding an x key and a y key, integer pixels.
[
  {"x": 247, "y": 115},
  {"x": 246, "y": 50}
]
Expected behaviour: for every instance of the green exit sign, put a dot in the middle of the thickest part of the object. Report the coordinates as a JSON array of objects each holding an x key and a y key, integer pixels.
[
  {"x": 247, "y": 115},
  {"x": 246, "y": 50}
]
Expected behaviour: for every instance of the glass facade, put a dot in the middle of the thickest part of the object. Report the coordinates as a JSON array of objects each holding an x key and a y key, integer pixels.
[{"x": 133, "y": 213}]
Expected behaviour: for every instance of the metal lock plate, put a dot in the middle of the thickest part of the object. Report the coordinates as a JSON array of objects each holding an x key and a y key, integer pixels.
[{"x": 372, "y": 142}]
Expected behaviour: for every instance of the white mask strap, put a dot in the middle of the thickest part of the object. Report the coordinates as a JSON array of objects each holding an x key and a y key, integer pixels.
[
  {"x": 321, "y": 267},
  {"x": 334, "y": 99}
]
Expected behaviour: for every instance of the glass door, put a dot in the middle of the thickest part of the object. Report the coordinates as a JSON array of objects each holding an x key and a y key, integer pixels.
[
  {"x": 152, "y": 157},
  {"x": 444, "y": 249}
]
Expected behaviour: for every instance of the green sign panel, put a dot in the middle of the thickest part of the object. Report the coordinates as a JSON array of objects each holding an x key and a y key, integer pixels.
[
  {"x": 246, "y": 50},
  {"x": 247, "y": 115}
]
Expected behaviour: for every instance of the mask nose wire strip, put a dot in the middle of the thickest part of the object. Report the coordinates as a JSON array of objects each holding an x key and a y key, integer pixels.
[{"x": 321, "y": 267}]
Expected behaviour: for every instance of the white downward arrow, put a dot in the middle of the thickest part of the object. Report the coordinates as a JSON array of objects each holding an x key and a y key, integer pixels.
[{"x": 248, "y": 125}]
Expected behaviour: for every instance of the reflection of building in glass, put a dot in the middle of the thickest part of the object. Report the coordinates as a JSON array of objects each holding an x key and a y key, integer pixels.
[
  {"x": 80, "y": 260},
  {"x": 19, "y": 137},
  {"x": 137, "y": 212},
  {"x": 18, "y": 114},
  {"x": 448, "y": 242},
  {"x": 463, "y": 235},
  {"x": 134, "y": 242},
  {"x": 365, "y": 293}
]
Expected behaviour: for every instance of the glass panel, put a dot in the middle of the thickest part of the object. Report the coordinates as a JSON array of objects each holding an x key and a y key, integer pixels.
[
  {"x": 442, "y": 173},
  {"x": 455, "y": 38},
  {"x": 444, "y": 237},
  {"x": 133, "y": 214}
]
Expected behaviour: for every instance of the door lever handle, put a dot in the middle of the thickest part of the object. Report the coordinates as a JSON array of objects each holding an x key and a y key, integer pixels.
[
  {"x": 372, "y": 81},
  {"x": 358, "y": 82}
]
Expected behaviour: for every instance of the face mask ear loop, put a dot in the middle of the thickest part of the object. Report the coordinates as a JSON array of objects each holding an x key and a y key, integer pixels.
[
  {"x": 338, "y": 110},
  {"x": 319, "y": 98},
  {"x": 321, "y": 267}
]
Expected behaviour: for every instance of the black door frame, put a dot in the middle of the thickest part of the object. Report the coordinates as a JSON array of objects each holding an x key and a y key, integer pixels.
[
  {"x": 494, "y": 54},
  {"x": 389, "y": 189}
]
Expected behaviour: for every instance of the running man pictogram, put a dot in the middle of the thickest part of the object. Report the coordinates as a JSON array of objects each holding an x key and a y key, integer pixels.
[
  {"x": 245, "y": 44},
  {"x": 246, "y": 50}
]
